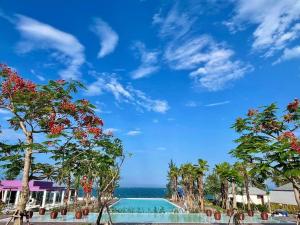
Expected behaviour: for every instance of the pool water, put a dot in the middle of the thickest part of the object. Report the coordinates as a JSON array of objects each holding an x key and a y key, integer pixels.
[
  {"x": 144, "y": 205},
  {"x": 149, "y": 218}
]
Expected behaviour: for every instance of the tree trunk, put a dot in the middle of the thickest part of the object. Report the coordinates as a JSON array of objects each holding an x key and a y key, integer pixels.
[
  {"x": 247, "y": 191},
  {"x": 66, "y": 197},
  {"x": 176, "y": 190},
  {"x": 200, "y": 192},
  {"x": 296, "y": 188},
  {"x": 226, "y": 186},
  {"x": 233, "y": 195},
  {"x": 25, "y": 181}
]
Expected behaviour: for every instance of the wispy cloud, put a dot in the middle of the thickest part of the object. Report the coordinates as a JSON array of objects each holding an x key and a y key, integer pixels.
[
  {"x": 107, "y": 36},
  {"x": 40, "y": 77},
  {"x": 66, "y": 48},
  {"x": 277, "y": 23},
  {"x": 161, "y": 148},
  {"x": 210, "y": 64},
  {"x": 135, "y": 132},
  {"x": 149, "y": 61},
  {"x": 109, "y": 83},
  {"x": 217, "y": 103},
  {"x": 110, "y": 130},
  {"x": 191, "y": 104}
]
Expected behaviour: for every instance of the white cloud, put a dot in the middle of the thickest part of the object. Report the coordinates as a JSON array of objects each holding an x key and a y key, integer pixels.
[
  {"x": 109, "y": 83},
  {"x": 134, "y": 132},
  {"x": 110, "y": 130},
  {"x": 161, "y": 148},
  {"x": 290, "y": 53},
  {"x": 149, "y": 61},
  {"x": 40, "y": 77},
  {"x": 107, "y": 36},
  {"x": 66, "y": 48},
  {"x": 191, "y": 104},
  {"x": 217, "y": 103},
  {"x": 277, "y": 23},
  {"x": 210, "y": 64}
]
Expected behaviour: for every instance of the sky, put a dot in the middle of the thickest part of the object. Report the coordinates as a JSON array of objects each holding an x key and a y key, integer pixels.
[{"x": 168, "y": 78}]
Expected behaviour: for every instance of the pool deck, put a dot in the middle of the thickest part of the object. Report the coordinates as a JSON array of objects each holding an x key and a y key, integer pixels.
[{"x": 59, "y": 223}]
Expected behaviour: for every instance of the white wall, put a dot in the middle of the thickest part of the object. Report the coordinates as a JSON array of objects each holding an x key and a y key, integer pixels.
[
  {"x": 254, "y": 199},
  {"x": 283, "y": 197}
]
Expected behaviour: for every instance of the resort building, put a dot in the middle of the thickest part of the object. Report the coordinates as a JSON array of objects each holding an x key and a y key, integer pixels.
[
  {"x": 257, "y": 196},
  {"x": 283, "y": 195},
  {"x": 42, "y": 194}
]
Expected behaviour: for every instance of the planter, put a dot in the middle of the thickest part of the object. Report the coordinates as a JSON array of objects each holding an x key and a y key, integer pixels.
[
  {"x": 78, "y": 215},
  {"x": 85, "y": 212},
  {"x": 208, "y": 212},
  {"x": 217, "y": 215},
  {"x": 241, "y": 216},
  {"x": 42, "y": 211},
  {"x": 264, "y": 216},
  {"x": 63, "y": 212},
  {"x": 28, "y": 214},
  {"x": 250, "y": 213},
  {"x": 53, "y": 214},
  {"x": 229, "y": 212}
]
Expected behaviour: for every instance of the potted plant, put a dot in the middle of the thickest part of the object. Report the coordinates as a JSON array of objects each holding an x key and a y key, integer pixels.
[
  {"x": 208, "y": 212},
  {"x": 250, "y": 212},
  {"x": 264, "y": 215},
  {"x": 63, "y": 211},
  {"x": 54, "y": 213},
  {"x": 78, "y": 212},
  {"x": 85, "y": 211},
  {"x": 217, "y": 215},
  {"x": 42, "y": 211},
  {"x": 229, "y": 212},
  {"x": 240, "y": 215}
]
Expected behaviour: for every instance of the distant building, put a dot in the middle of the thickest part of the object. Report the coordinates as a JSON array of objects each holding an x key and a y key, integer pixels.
[
  {"x": 283, "y": 195},
  {"x": 257, "y": 196}
]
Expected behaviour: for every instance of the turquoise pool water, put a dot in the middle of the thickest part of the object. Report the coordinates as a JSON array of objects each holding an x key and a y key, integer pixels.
[
  {"x": 149, "y": 218},
  {"x": 144, "y": 205}
]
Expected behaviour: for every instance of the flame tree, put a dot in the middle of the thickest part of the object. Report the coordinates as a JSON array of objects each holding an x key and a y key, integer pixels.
[
  {"x": 42, "y": 109},
  {"x": 269, "y": 141}
]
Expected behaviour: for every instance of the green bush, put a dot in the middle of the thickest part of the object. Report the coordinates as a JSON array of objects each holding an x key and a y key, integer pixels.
[{"x": 289, "y": 208}]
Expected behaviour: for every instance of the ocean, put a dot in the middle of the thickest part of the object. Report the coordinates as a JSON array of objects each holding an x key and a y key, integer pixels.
[
  {"x": 136, "y": 192},
  {"x": 133, "y": 192}
]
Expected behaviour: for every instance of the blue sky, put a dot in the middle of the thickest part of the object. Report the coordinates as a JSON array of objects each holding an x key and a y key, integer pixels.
[{"x": 168, "y": 77}]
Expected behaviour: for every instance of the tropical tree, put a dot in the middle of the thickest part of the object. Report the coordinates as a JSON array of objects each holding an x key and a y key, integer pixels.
[
  {"x": 173, "y": 175},
  {"x": 42, "y": 109},
  {"x": 200, "y": 170},
  {"x": 222, "y": 169},
  {"x": 269, "y": 142},
  {"x": 212, "y": 185},
  {"x": 188, "y": 176}
]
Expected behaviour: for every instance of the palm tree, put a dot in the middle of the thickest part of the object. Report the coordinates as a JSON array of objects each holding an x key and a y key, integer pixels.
[
  {"x": 200, "y": 169},
  {"x": 222, "y": 170},
  {"x": 187, "y": 172},
  {"x": 173, "y": 176}
]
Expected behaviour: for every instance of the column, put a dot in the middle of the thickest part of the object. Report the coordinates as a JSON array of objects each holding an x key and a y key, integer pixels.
[
  {"x": 17, "y": 198},
  {"x": 54, "y": 198},
  {"x": 69, "y": 197},
  {"x": 44, "y": 199},
  {"x": 62, "y": 197},
  {"x": 4, "y": 196}
]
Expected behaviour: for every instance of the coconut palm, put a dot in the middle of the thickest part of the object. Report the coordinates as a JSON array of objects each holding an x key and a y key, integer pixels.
[{"x": 188, "y": 174}]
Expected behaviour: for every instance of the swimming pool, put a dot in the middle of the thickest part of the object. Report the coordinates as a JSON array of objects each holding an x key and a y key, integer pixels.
[
  {"x": 144, "y": 205},
  {"x": 149, "y": 218}
]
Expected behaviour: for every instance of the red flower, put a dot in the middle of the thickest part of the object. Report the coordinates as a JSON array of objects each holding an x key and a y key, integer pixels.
[
  {"x": 56, "y": 129},
  {"x": 60, "y": 81},
  {"x": 252, "y": 112},
  {"x": 293, "y": 106}
]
